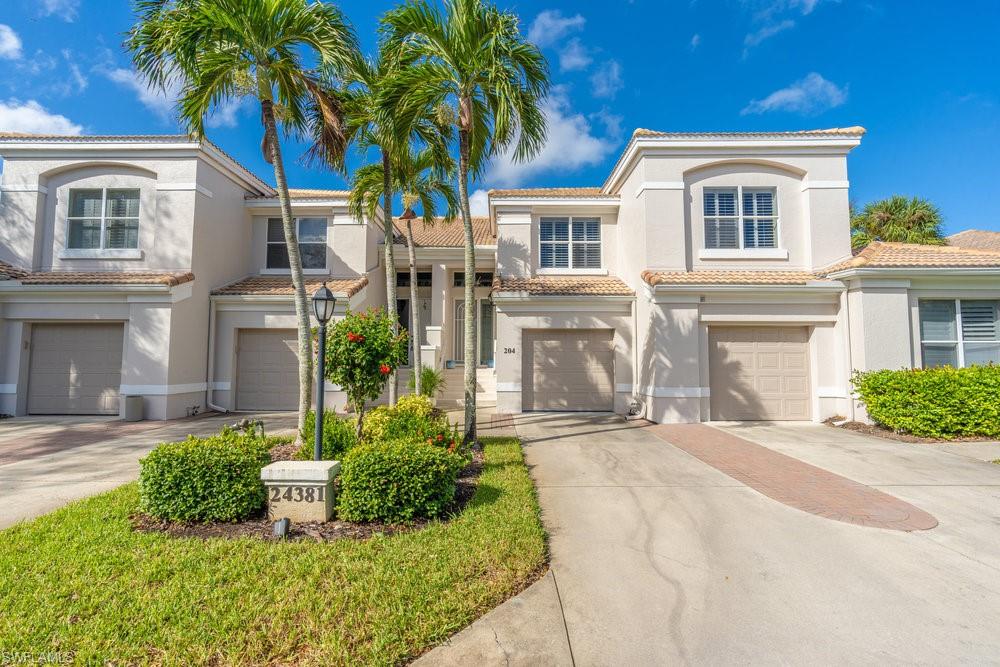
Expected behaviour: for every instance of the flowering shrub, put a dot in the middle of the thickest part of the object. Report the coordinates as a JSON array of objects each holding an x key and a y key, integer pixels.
[
  {"x": 361, "y": 351},
  {"x": 413, "y": 419}
]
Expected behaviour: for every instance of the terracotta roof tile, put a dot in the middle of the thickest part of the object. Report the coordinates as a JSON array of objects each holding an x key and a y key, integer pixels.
[
  {"x": 729, "y": 277},
  {"x": 565, "y": 286},
  {"x": 554, "y": 193},
  {"x": 282, "y": 286},
  {"x": 11, "y": 272},
  {"x": 976, "y": 238},
  {"x": 449, "y": 234},
  {"x": 105, "y": 278},
  {"x": 881, "y": 255},
  {"x": 308, "y": 193},
  {"x": 854, "y": 131}
]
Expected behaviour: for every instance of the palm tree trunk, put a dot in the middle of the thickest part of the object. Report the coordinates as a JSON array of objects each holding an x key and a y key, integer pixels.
[
  {"x": 470, "y": 288},
  {"x": 294, "y": 263},
  {"x": 390, "y": 266},
  {"x": 415, "y": 363}
]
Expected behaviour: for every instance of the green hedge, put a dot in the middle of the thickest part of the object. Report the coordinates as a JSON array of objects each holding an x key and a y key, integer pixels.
[
  {"x": 413, "y": 419},
  {"x": 397, "y": 482},
  {"x": 205, "y": 479},
  {"x": 339, "y": 436},
  {"x": 934, "y": 402}
]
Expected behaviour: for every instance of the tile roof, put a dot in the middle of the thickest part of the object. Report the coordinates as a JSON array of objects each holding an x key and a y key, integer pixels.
[
  {"x": 446, "y": 234},
  {"x": 881, "y": 255},
  {"x": 282, "y": 286},
  {"x": 976, "y": 238},
  {"x": 853, "y": 131},
  {"x": 729, "y": 277},
  {"x": 308, "y": 193},
  {"x": 543, "y": 193},
  {"x": 9, "y": 271},
  {"x": 105, "y": 278},
  {"x": 565, "y": 286}
]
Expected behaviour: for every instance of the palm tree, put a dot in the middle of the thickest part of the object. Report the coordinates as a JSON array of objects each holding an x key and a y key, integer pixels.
[
  {"x": 899, "y": 219},
  {"x": 423, "y": 177},
  {"x": 226, "y": 49},
  {"x": 472, "y": 57}
]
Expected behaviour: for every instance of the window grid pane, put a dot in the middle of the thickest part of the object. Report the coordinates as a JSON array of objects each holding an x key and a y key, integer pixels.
[
  {"x": 85, "y": 203},
  {"x": 121, "y": 233},
  {"x": 85, "y": 234}
]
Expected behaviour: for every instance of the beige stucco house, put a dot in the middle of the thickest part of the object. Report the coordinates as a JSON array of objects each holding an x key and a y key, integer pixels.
[{"x": 709, "y": 277}]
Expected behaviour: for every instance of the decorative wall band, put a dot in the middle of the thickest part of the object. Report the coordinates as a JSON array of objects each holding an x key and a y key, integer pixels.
[
  {"x": 25, "y": 187},
  {"x": 161, "y": 389},
  {"x": 658, "y": 185},
  {"x": 677, "y": 392},
  {"x": 178, "y": 187},
  {"x": 508, "y": 386},
  {"x": 8, "y": 388},
  {"x": 825, "y": 185}
]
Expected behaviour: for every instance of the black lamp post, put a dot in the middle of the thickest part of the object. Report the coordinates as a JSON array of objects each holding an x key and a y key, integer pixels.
[{"x": 323, "y": 304}]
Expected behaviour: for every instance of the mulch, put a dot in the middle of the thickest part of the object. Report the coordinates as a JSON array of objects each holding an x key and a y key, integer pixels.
[
  {"x": 889, "y": 434},
  {"x": 261, "y": 528}
]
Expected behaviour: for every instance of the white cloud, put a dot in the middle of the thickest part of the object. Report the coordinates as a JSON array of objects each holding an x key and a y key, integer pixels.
[
  {"x": 606, "y": 81},
  {"x": 32, "y": 117},
  {"x": 695, "y": 41},
  {"x": 10, "y": 43},
  {"x": 767, "y": 32},
  {"x": 159, "y": 101},
  {"x": 574, "y": 56},
  {"x": 571, "y": 143},
  {"x": 479, "y": 203},
  {"x": 810, "y": 95},
  {"x": 612, "y": 122},
  {"x": 227, "y": 115},
  {"x": 75, "y": 73},
  {"x": 550, "y": 26},
  {"x": 64, "y": 9}
]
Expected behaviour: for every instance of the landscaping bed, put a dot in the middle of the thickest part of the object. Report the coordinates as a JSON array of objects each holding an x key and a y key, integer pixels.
[
  {"x": 260, "y": 527},
  {"x": 83, "y": 580},
  {"x": 882, "y": 432}
]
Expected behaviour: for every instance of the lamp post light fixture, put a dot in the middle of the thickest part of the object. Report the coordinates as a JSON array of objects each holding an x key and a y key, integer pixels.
[{"x": 323, "y": 302}]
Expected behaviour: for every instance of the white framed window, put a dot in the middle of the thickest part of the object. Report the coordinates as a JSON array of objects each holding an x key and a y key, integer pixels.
[
  {"x": 740, "y": 218},
  {"x": 569, "y": 243},
  {"x": 311, "y": 233},
  {"x": 103, "y": 219},
  {"x": 959, "y": 332}
]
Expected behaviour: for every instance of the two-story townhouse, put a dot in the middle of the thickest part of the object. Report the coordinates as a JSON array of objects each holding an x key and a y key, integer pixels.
[
  {"x": 711, "y": 277},
  {"x": 147, "y": 266}
]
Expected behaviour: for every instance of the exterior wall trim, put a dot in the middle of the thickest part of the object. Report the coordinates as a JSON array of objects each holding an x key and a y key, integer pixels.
[
  {"x": 161, "y": 389},
  {"x": 25, "y": 187},
  {"x": 184, "y": 187},
  {"x": 658, "y": 185},
  {"x": 675, "y": 392},
  {"x": 825, "y": 185}
]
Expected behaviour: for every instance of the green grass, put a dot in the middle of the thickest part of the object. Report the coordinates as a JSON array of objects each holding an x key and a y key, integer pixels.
[{"x": 81, "y": 580}]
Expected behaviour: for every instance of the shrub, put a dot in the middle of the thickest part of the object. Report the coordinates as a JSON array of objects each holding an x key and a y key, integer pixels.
[
  {"x": 205, "y": 479},
  {"x": 339, "y": 435},
  {"x": 413, "y": 419},
  {"x": 431, "y": 381},
  {"x": 396, "y": 482},
  {"x": 418, "y": 406},
  {"x": 934, "y": 402}
]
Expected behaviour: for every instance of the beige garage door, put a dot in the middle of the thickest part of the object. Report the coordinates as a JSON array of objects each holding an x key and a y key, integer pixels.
[
  {"x": 759, "y": 373},
  {"x": 267, "y": 370},
  {"x": 75, "y": 369},
  {"x": 568, "y": 370}
]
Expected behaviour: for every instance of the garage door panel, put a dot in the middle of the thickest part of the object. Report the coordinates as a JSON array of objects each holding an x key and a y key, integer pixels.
[
  {"x": 75, "y": 368},
  {"x": 759, "y": 373},
  {"x": 568, "y": 370},
  {"x": 267, "y": 370}
]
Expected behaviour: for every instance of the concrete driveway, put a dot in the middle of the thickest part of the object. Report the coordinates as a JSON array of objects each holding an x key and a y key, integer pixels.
[
  {"x": 659, "y": 558},
  {"x": 46, "y": 462}
]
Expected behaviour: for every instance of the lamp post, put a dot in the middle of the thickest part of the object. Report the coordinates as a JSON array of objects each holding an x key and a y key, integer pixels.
[{"x": 323, "y": 304}]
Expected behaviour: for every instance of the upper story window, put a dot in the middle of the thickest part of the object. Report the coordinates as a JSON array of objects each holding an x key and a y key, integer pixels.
[
  {"x": 403, "y": 279},
  {"x": 483, "y": 279},
  {"x": 740, "y": 218},
  {"x": 959, "y": 332},
  {"x": 570, "y": 243},
  {"x": 103, "y": 219},
  {"x": 311, "y": 233}
]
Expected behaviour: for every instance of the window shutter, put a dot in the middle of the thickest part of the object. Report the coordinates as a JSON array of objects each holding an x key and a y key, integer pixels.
[
  {"x": 937, "y": 321},
  {"x": 979, "y": 320}
]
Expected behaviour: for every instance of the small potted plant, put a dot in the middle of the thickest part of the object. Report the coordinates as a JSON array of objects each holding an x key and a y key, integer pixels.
[{"x": 431, "y": 383}]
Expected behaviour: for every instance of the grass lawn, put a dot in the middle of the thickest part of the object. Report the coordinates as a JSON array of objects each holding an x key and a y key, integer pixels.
[{"x": 81, "y": 580}]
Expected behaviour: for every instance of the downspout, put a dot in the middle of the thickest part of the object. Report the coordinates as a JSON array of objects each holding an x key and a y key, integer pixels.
[
  {"x": 846, "y": 305},
  {"x": 210, "y": 369}
]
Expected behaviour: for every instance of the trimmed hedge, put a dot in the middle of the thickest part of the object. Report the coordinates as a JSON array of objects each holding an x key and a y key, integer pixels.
[
  {"x": 397, "y": 482},
  {"x": 934, "y": 402},
  {"x": 205, "y": 479},
  {"x": 339, "y": 436},
  {"x": 412, "y": 419}
]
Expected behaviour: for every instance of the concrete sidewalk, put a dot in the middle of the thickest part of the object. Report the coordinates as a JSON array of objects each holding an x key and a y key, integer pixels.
[
  {"x": 658, "y": 558},
  {"x": 46, "y": 462}
]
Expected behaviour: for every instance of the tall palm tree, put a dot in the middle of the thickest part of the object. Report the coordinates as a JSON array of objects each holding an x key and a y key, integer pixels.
[
  {"x": 424, "y": 178},
  {"x": 472, "y": 57},
  {"x": 221, "y": 50},
  {"x": 898, "y": 218}
]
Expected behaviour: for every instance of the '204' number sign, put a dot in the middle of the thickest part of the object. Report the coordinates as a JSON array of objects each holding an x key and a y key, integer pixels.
[{"x": 298, "y": 494}]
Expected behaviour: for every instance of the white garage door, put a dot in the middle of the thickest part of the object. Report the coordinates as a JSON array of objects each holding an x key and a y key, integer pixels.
[
  {"x": 759, "y": 373},
  {"x": 75, "y": 369},
  {"x": 267, "y": 370},
  {"x": 568, "y": 370}
]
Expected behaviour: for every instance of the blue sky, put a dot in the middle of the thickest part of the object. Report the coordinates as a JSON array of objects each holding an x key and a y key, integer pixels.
[{"x": 921, "y": 76}]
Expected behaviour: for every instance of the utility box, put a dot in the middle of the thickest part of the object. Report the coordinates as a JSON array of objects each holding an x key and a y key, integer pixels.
[{"x": 132, "y": 408}]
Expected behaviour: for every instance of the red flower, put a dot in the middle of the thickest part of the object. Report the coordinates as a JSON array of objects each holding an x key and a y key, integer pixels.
[
  {"x": 351, "y": 336},
  {"x": 384, "y": 368},
  {"x": 440, "y": 437}
]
